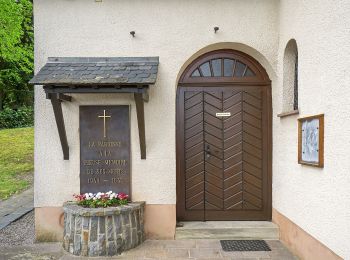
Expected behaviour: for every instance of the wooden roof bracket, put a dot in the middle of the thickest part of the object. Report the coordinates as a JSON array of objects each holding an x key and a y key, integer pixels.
[
  {"x": 56, "y": 100},
  {"x": 57, "y": 97},
  {"x": 139, "y": 101}
]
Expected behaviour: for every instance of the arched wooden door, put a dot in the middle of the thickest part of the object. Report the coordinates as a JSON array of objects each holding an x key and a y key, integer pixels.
[{"x": 224, "y": 139}]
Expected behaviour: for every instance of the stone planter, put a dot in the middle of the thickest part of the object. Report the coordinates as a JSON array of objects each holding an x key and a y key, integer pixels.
[{"x": 102, "y": 231}]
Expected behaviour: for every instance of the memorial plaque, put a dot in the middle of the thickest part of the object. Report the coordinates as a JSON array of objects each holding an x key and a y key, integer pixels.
[{"x": 105, "y": 149}]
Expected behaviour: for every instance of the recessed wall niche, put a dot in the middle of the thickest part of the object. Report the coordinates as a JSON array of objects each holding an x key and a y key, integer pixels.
[{"x": 290, "y": 77}]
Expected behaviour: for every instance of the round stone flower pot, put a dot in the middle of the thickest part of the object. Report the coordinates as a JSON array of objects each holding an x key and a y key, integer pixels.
[{"x": 102, "y": 231}]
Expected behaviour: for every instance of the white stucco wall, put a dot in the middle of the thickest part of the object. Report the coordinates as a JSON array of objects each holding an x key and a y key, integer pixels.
[
  {"x": 317, "y": 200},
  {"x": 172, "y": 30}
]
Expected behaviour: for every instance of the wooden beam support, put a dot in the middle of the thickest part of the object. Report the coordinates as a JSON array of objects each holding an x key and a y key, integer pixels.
[
  {"x": 145, "y": 96},
  {"x": 57, "y": 94},
  {"x": 64, "y": 97},
  {"x": 141, "y": 122},
  {"x": 57, "y": 110},
  {"x": 96, "y": 89},
  {"x": 60, "y": 96}
]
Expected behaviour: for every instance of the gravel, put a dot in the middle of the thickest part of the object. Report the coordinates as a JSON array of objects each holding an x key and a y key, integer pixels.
[{"x": 19, "y": 233}]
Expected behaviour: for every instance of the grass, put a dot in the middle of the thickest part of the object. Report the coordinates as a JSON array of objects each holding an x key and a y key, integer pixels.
[{"x": 16, "y": 160}]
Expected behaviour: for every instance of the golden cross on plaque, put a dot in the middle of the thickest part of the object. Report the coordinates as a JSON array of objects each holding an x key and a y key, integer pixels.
[{"x": 104, "y": 122}]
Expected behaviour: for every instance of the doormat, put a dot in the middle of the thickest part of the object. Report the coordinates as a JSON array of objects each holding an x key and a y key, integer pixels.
[{"x": 244, "y": 245}]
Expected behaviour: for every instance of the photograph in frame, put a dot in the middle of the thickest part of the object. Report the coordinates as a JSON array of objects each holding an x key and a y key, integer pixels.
[{"x": 310, "y": 145}]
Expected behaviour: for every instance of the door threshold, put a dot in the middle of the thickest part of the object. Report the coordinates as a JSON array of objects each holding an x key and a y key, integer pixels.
[{"x": 227, "y": 230}]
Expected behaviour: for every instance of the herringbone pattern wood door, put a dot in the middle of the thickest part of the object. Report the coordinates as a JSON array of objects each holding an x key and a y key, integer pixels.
[
  {"x": 194, "y": 143},
  {"x": 225, "y": 168}
]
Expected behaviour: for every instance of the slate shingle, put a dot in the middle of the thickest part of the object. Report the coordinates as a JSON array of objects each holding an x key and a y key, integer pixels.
[{"x": 97, "y": 71}]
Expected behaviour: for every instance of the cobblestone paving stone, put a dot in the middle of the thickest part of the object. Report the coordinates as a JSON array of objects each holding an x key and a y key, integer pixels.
[{"x": 153, "y": 249}]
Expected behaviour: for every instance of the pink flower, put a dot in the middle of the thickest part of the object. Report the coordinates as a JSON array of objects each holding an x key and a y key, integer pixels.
[
  {"x": 122, "y": 196},
  {"x": 79, "y": 197}
]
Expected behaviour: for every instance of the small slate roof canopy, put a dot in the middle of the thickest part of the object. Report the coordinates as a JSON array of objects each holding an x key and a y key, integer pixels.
[
  {"x": 98, "y": 71},
  {"x": 67, "y": 75}
]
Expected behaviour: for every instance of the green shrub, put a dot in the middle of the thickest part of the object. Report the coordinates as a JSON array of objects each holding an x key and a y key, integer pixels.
[{"x": 13, "y": 118}]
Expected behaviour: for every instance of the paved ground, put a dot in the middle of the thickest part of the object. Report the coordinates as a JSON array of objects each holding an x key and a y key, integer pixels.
[
  {"x": 15, "y": 207},
  {"x": 17, "y": 241},
  {"x": 153, "y": 249},
  {"x": 19, "y": 233}
]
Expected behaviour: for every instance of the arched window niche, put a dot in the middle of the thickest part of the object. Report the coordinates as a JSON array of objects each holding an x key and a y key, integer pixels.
[{"x": 290, "y": 80}]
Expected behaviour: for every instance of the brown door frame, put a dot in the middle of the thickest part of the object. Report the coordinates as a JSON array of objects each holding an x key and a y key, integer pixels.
[{"x": 261, "y": 80}]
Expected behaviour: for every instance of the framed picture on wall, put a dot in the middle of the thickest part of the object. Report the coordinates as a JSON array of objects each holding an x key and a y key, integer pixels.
[{"x": 311, "y": 140}]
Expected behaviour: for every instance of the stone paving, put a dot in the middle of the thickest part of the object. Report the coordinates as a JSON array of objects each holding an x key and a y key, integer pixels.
[
  {"x": 154, "y": 249},
  {"x": 18, "y": 205},
  {"x": 15, "y": 207}
]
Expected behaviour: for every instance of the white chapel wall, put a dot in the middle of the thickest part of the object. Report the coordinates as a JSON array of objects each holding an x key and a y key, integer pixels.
[
  {"x": 172, "y": 30},
  {"x": 317, "y": 200}
]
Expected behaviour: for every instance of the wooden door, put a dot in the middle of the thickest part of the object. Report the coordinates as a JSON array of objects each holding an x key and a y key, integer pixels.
[
  {"x": 225, "y": 169},
  {"x": 223, "y": 139}
]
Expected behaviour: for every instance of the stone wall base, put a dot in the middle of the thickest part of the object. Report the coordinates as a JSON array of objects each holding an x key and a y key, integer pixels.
[
  {"x": 160, "y": 222},
  {"x": 49, "y": 224},
  {"x": 300, "y": 242}
]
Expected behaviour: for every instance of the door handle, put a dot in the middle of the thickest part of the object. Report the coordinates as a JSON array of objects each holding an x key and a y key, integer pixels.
[{"x": 207, "y": 150}]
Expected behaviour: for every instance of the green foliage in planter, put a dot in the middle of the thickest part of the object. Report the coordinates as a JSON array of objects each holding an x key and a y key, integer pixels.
[{"x": 21, "y": 117}]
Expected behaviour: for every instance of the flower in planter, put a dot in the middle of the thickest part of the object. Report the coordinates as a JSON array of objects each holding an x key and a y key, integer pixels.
[
  {"x": 122, "y": 196},
  {"x": 101, "y": 199}
]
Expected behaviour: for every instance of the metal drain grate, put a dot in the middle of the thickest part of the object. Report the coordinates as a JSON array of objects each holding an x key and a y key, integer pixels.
[{"x": 244, "y": 245}]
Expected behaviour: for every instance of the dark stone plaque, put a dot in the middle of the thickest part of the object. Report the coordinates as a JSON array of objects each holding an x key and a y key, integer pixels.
[{"x": 104, "y": 149}]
